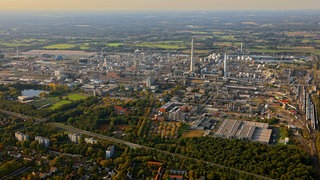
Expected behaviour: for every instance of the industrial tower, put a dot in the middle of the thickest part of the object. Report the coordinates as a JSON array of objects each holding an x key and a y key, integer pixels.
[
  {"x": 192, "y": 62},
  {"x": 225, "y": 66}
]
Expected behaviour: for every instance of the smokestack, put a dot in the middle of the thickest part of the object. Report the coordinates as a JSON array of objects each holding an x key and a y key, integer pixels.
[
  {"x": 191, "y": 60},
  {"x": 225, "y": 65},
  {"x": 241, "y": 48}
]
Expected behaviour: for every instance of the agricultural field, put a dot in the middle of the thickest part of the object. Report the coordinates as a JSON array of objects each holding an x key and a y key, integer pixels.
[
  {"x": 60, "y": 46},
  {"x": 165, "y": 129},
  {"x": 164, "y": 45},
  {"x": 85, "y": 46},
  {"x": 22, "y": 42},
  {"x": 114, "y": 44}
]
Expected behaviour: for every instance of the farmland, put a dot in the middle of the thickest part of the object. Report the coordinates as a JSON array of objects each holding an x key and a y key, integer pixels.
[
  {"x": 114, "y": 44},
  {"x": 164, "y": 44},
  {"x": 60, "y": 46}
]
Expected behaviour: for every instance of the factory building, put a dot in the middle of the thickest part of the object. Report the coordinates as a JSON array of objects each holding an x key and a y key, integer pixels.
[{"x": 245, "y": 130}]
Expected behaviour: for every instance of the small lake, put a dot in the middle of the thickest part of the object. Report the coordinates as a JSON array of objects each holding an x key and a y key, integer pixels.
[{"x": 32, "y": 92}]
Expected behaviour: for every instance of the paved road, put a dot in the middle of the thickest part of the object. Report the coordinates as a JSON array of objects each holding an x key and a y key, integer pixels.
[{"x": 133, "y": 145}]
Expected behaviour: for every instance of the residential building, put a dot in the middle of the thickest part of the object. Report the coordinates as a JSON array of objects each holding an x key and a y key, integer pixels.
[
  {"x": 21, "y": 137},
  {"x": 43, "y": 140},
  {"x": 109, "y": 152},
  {"x": 90, "y": 141},
  {"x": 74, "y": 138}
]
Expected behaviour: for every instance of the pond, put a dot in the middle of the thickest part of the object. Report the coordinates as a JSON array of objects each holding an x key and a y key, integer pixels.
[{"x": 32, "y": 92}]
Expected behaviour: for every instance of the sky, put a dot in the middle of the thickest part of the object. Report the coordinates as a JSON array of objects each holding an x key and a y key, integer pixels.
[{"x": 140, "y": 5}]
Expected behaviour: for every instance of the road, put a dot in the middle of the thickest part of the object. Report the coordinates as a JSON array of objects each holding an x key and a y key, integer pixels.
[{"x": 133, "y": 145}]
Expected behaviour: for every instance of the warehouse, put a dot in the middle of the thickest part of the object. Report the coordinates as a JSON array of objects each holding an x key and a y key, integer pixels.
[{"x": 245, "y": 130}]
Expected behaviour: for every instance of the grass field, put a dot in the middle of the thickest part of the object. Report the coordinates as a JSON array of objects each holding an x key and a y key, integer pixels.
[
  {"x": 164, "y": 45},
  {"x": 65, "y": 100},
  {"x": 60, "y": 46},
  {"x": 84, "y": 46},
  {"x": 194, "y": 133},
  {"x": 223, "y": 44},
  {"x": 114, "y": 44},
  {"x": 58, "y": 104},
  {"x": 44, "y": 102},
  {"x": 75, "y": 97}
]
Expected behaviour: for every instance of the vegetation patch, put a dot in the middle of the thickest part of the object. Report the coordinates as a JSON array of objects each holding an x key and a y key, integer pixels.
[
  {"x": 165, "y": 129},
  {"x": 75, "y": 97},
  {"x": 114, "y": 44},
  {"x": 164, "y": 44},
  {"x": 59, "y": 104},
  {"x": 44, "y": 102}
]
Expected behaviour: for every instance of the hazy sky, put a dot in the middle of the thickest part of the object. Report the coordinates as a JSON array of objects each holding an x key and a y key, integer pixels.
[{"x": 138, "y": 5}]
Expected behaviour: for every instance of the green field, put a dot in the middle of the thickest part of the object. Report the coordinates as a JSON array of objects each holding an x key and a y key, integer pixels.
[
  {"x": 164, "y": 44},
  {"x": 75, "y": 97},
  {"x": 84, "y": 46},
  {"x": 47, "y": 101},
  {"x": 58, "y": 104},
  {"x": 114, "y": 44},
  {"x": 60, "y": 46}
]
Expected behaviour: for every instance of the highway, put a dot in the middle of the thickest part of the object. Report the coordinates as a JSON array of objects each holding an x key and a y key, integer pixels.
[{"x": 133, "y": 145}]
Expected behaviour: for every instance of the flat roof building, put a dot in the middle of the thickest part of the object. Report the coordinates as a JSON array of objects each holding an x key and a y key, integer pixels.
[
  {"x": 21, "y": 137},
  {"x": 43, "y": 140},
  {"x": 74, "y": 138},
  {"x": 245, "y": 130}
]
